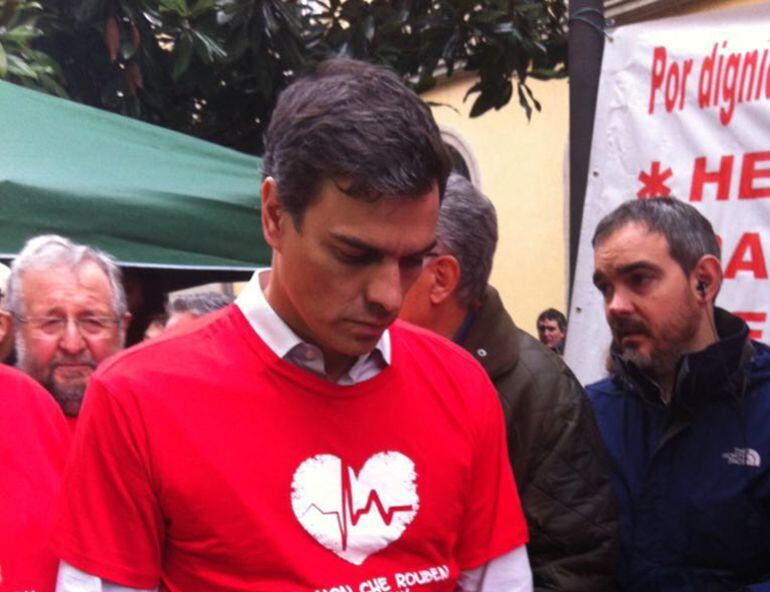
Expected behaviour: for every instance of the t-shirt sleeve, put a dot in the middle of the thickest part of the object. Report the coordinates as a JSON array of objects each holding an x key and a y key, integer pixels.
[
  {"x": 34, "y": 442},
  {"x": 493, "y": 522},
  {"x": 109, "y": 523}
]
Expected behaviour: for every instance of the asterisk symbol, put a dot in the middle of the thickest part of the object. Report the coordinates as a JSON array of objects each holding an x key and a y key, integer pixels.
[{"x": 654, "y": 184}]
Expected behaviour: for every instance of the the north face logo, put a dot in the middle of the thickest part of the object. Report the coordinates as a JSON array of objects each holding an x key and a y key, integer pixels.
[{"x": 743, "y": 456}]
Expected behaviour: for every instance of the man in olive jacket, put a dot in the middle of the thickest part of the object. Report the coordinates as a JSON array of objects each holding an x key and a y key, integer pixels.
[{"x": 556, "y": 452}]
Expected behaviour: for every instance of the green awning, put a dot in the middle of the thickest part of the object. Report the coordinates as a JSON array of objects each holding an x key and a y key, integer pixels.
[{"x": 146, "y": 195}]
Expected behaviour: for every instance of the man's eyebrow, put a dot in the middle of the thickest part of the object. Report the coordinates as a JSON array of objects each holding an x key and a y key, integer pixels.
[
  {"x": 598, "y": 276},
  {"x": 357, "y": 243},
  {"x": 638, "y": 266}
]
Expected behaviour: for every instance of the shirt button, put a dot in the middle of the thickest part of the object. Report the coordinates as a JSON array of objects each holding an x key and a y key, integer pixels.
[{"x": 481, "y": 352}]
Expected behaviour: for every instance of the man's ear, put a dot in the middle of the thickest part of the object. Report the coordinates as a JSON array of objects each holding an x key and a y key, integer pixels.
[
  {"x": 446, "y": 277},
  {"x": 273, "y": 215},
  {"x": 707, "y": 278}
]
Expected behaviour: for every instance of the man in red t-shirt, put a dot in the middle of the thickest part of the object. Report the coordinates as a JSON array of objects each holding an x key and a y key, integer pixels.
[
  {"x": 299, "y": 440},
  {"x": 34, "y": 441}
]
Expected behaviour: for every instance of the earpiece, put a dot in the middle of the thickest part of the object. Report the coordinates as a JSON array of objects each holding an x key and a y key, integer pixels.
[{"x": 701, "y": 287}]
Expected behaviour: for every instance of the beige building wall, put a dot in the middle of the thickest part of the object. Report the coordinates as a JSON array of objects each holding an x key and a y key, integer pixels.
[{"x": 521, "y": 168}]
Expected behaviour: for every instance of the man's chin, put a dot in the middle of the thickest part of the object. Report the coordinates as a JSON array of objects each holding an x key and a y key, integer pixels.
[
  {"x": 356, "y": 348},
  {"x": 69, "y": 394},
  {"x": 639, "y": 358},
  {"x": 72, "y": 374}
]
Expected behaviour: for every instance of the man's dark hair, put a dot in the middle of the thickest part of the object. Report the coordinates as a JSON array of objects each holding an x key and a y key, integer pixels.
[
  {"x": 467, "y": 229},
  {"x": 197, "y": 304},
  {"x": 355, "y": 124},
  {"x": 551, "y": 314},
  {"x": 688, "y": 233}
]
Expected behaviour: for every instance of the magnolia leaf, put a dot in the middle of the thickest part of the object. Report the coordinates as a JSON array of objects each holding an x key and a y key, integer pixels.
[
  {"x": 19, "y": 67},
  {"x": 183, "y": 51}
]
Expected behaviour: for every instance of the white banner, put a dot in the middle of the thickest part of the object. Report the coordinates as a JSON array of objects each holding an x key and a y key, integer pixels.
[{"x": 683, "y": 110}]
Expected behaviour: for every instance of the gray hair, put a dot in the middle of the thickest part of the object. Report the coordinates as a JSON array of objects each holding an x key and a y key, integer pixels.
[
  {"x": 198, "y": 304},
  {"x": 467, "y": 229},
  {"x": 688, "y": 233},
  {"x": 49, "y": 250}
]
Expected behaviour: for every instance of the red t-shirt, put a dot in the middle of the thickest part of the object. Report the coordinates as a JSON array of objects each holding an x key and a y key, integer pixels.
[
  {"x": 204, "y": 462},
  {"x": 34, "y": 441}
]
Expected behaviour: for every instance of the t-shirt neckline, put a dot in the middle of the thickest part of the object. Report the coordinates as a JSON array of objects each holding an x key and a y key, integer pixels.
[{"x": 308, "y": 380}]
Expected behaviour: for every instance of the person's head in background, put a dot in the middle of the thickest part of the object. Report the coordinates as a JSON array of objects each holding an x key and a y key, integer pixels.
[
  {"x": 188, "y": 307},
  {"x": 155, "y": 326},
  {"x": 456, "y": 272},
  {"x": 552, "y": 329},
  {"x": 69, "y": 312}
]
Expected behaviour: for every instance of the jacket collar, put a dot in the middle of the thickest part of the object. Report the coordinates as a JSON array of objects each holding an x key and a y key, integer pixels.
[
  {"x": 491, "y": 336},
  {"x": 717, "y": 372}
]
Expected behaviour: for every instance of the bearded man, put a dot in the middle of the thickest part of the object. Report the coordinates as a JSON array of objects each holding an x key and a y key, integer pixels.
[
  {"x": 69, "y": 311},
  {"x": 685, "y": 412}
]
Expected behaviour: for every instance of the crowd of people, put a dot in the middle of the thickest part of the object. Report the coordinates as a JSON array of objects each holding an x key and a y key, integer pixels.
[{"x": 366, "y": 415}]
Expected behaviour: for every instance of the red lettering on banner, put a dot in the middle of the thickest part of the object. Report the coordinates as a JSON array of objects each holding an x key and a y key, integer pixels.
[
  {"x": 728, "y": 89},
  {"x": 654, "y": 182},
  {"x": 749, "y": 63},
  {"x": 672, "y": 79},
  {"x": 752, "y": 317},
  {"x": 750, "y": 173},
  {"x": 656, "y": 72},
  {"x": 728, "y": 79},
  {"x": 748, "y": 256},
  {"x": 721, "y": 177},
  {"x": 754, "y": 182},
  {"x": 706, "y": 79},
  {"x": 725, "y": 80},
  {"x": 672, "y": 86}
]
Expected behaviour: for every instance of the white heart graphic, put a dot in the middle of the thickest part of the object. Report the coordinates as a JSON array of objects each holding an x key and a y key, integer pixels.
[{"x": 355, "y": 515}]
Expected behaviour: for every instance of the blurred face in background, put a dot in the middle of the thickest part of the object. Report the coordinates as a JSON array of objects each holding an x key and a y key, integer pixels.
[
  {"x": 155, "y": 328},
  {"x": 549, "y": 333},
  {"x": 68, "y": 327},
  {"x": 180, "y": 319}
]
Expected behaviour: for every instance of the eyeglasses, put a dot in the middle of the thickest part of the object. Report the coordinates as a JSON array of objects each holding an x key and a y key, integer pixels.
[{"x": 55, "y": 326}]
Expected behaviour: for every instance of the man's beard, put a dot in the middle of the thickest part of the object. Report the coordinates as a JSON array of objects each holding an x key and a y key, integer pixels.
[
  {"x": 671, "y": 342},
  {"x": 68, "y": 393}
]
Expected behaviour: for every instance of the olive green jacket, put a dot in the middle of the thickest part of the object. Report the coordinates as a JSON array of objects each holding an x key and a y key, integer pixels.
[{"x": 556, "y": 452}]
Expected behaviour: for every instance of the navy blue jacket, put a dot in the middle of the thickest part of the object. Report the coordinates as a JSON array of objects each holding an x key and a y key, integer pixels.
[{"x": 693, "y": 478}]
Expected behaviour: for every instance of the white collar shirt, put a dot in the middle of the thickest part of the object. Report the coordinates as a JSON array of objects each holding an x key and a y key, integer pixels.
[{"x": 286, "y": 344}]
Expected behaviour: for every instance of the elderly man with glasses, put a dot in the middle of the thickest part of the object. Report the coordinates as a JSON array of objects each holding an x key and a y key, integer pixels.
[{"x": 69, "y": 310}]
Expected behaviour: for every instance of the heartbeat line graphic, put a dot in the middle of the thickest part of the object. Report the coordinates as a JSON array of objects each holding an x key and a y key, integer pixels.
[{"x": 349, "y": 516}]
